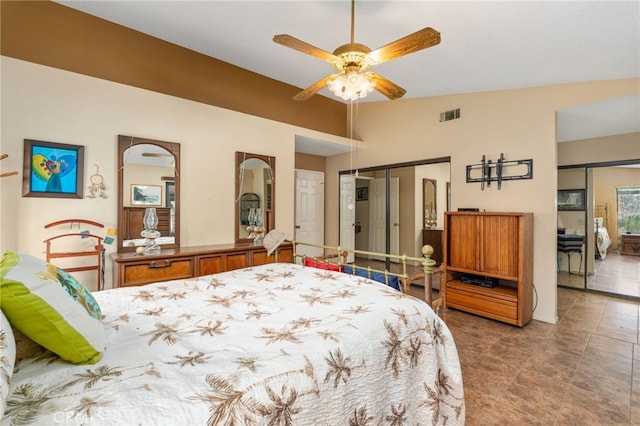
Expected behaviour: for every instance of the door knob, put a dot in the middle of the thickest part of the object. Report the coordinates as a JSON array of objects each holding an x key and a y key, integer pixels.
[{"x": 297, "y": 226}]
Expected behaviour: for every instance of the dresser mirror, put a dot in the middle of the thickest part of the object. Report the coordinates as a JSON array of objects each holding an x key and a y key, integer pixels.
[
  {"x": 255, "y": 206},
  {"x": 429, "y": 198},
  {"x": 148, "y": 177}
]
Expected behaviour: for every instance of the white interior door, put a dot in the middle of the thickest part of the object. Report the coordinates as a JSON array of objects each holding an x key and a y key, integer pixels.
[
  {"x": 378, "y": 217},
  {"x": 309, "y": 213},
  {"x": 348, "y": 214}
]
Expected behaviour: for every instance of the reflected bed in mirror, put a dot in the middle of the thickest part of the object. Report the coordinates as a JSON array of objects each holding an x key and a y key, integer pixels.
[
  {"x": 255, "y": 206},
  {"x": 148, "y": 176}
]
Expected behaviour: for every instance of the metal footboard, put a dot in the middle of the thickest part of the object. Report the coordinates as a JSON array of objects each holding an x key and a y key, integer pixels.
[{"x": 335, "y": 258}]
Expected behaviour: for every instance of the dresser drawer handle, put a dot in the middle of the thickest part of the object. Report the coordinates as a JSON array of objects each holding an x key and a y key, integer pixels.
[{"x": 155, "y": 265}]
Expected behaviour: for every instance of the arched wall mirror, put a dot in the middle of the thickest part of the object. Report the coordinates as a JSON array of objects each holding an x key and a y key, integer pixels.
[
  {"x": 148, "y": 177},
  {"x": 255, "y": 195},
  {"x": 429, "y": 202}
]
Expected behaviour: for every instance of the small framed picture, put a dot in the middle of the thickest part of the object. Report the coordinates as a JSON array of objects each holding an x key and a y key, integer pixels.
[
  {"x": 146, "y": 195},
  {"x": 53, "y": 170},
  {"x": 362, "y": 194},
  {"x": 571, "y": 199}
]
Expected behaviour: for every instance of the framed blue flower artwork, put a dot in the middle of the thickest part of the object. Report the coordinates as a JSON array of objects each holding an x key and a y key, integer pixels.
[{"x": 53, "y": 170}]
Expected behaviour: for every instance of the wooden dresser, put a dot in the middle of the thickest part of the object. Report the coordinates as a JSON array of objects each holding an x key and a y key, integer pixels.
[
  {"x": 130, "y": 269},
  {"x": 630, "y": 244},
  {"x": 489, "y": 264}
]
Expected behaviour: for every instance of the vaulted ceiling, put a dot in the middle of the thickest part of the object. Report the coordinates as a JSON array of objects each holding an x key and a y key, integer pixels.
[{"x": 485, "y": 45}]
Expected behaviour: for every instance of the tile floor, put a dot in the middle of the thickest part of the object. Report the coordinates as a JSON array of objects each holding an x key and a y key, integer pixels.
[
  {"x": 584, "y": 370},
  {"x": 619, "y": 274}
]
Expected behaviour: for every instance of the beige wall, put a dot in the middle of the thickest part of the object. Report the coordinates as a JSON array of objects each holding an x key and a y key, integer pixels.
[
  {"x": 51, "y": 34},
  {"x": 48, "y": 104},
  {"x": 599, "y": 150},
  {"x": 315, "y": 163},
  {"x": 519, "y": 123}
]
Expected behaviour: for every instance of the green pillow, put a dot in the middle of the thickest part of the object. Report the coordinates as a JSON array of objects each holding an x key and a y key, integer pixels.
[{"x": 53, "y": 309}]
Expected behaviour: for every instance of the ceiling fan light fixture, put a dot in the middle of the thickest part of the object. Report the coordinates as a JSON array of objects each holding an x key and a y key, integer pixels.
[{"x": 352, "y": 85}]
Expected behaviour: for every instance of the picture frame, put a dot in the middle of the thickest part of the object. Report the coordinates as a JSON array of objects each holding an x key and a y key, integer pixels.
[
  {"x": 146, "y": 195},
  {"x": 571, "y": 199},
  {"x": 52, "y": 170},
  {"x": 362, "y": 194}
]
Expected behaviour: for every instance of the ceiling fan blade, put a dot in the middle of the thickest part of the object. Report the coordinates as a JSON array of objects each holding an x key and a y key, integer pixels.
[
  {"x": 301, "y": 46},
  {"x": 386, "y": 87},
  {"x": 419, "y": 40},
  {"x": 314, "y": 88}
]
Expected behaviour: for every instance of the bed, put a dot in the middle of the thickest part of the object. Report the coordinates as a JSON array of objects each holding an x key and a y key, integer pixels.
[
  {"x": 600, "y": 224},
  {"x": 276, "y": 344}
]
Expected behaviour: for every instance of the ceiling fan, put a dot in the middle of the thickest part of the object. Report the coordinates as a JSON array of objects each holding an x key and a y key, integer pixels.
[{"x": 352, "y": 60}]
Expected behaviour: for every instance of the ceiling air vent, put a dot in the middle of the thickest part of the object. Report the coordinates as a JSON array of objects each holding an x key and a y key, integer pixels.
[{"x": 450, "y": 115}]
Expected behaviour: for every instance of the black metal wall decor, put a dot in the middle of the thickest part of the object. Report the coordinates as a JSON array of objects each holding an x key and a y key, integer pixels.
[{"x": 499, "y": 171}]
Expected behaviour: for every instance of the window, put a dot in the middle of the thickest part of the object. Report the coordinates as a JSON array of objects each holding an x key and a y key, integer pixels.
[{"x": 628, "y": 210}]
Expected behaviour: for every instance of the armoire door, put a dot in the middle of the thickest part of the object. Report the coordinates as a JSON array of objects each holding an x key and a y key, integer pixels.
[
  {"x": 500, "y": 246},
  {"x": 463, "y": 242}
]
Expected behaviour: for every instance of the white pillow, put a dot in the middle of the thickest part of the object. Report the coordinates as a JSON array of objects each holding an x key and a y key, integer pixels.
[
  {"x": 51, "y": 308},
  {"x": 7, "y": 360}
]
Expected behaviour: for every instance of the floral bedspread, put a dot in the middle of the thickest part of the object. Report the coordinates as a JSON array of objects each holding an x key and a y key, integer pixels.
[{"x": 278, "y": 344}]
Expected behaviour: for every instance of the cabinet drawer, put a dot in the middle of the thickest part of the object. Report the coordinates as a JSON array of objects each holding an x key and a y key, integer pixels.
[
  {"x": 285, "y": 255},
  {"x": 210, "y": 265},
  {"x": 498, "y": 303},
  {"x": 157, "y": 270},
  {"x": 261, "y": 258},
  {"x": 237, "y": 260}
]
